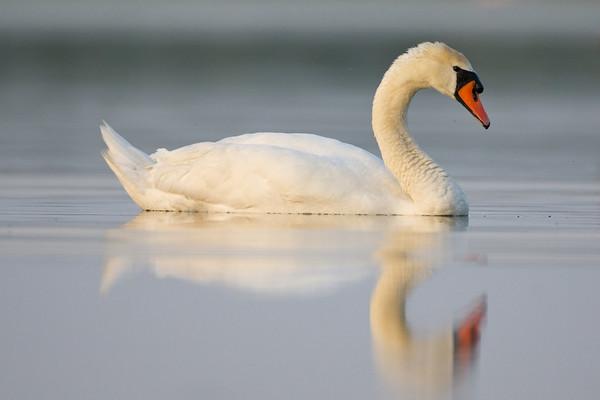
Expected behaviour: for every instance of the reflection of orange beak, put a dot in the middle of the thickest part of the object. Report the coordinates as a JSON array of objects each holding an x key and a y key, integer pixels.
[
  {"x": 470, "y": 99},
  {"x": 467, "y": 334}
]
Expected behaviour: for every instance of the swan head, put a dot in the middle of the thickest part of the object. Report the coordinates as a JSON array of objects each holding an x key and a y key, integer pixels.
[{"x": 439, "y": 66}]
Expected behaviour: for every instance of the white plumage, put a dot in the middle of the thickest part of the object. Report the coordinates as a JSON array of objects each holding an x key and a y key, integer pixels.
[
  {"x": 260, "y": 172},
  {"x": 304, "y": 173}
]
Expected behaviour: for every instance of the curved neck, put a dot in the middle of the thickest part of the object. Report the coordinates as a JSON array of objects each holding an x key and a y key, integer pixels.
[{"x": 427, "y": 184}]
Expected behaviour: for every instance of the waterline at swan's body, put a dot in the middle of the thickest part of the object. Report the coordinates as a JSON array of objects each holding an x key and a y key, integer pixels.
[{"x": 304, "y": 173}]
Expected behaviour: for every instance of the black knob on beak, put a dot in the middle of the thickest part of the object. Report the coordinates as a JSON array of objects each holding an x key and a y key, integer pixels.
[{"x": 478, "y": 87}]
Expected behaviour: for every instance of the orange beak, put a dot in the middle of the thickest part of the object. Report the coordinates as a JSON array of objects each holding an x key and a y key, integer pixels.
[{"x": 468, "y": 97}]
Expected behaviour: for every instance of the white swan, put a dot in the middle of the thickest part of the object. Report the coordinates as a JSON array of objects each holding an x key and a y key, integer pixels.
[{"x": 303, "y": 173}]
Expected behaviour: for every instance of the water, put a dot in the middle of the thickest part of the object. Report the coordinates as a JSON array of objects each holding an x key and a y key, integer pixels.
[{"x": 99, "y": 301}]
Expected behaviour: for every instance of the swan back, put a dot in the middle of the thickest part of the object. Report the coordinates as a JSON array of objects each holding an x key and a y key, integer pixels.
[{"x": 278, "y": 173}]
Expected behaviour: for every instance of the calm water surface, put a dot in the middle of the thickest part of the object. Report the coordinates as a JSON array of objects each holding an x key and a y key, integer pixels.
[{"x": 99, "y": 301}]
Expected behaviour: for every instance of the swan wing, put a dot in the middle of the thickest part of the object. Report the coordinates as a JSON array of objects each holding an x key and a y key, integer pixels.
[
  {"x": 307, "y": 143},
  {"x": 271, "y": 172}
]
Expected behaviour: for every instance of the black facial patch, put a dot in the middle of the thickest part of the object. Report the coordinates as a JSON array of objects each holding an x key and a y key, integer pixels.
[{"x": 463, "y": 77}]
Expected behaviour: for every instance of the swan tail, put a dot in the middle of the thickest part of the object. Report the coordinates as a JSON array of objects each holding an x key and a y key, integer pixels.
[{"x": 127, "y": 162}]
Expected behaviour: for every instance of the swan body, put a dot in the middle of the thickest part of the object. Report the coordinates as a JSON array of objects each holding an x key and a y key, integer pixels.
[
  {"x": 304, "y": 173},
  {"x": 264, "y": 172}
]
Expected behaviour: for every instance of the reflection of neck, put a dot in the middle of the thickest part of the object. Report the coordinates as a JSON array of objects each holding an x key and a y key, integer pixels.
[
  {"x": 388, "y": 302},
  {"x": 419, "y": 176},
  {"x": 413, "y": 363}
]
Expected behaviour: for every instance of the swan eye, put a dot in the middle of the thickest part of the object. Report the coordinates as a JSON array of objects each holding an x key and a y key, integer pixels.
[
  {"x": 455, "y": 68},
  {"x": 477, "y": 90}
]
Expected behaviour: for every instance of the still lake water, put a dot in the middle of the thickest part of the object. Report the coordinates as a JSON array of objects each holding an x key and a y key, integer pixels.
[{"x": 100, "y": 301}]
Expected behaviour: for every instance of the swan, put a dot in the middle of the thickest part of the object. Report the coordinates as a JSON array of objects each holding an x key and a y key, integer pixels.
[{"x": 304, "y": 173}]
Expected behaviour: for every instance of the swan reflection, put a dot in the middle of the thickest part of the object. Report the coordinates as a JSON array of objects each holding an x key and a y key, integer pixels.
[
  {"x": 417, "y": 364},
  {"x": 303, "y": 254},
  {"x": 268, "y": 254}
]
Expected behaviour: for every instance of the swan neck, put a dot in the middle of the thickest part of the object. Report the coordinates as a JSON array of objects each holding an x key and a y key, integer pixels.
[
  {"x": 426, "y": 183},
  {"x": 390, "y": 106}
]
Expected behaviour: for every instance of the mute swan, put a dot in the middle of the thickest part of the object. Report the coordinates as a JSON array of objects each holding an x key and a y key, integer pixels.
[{"x": 304, "y": 173}]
